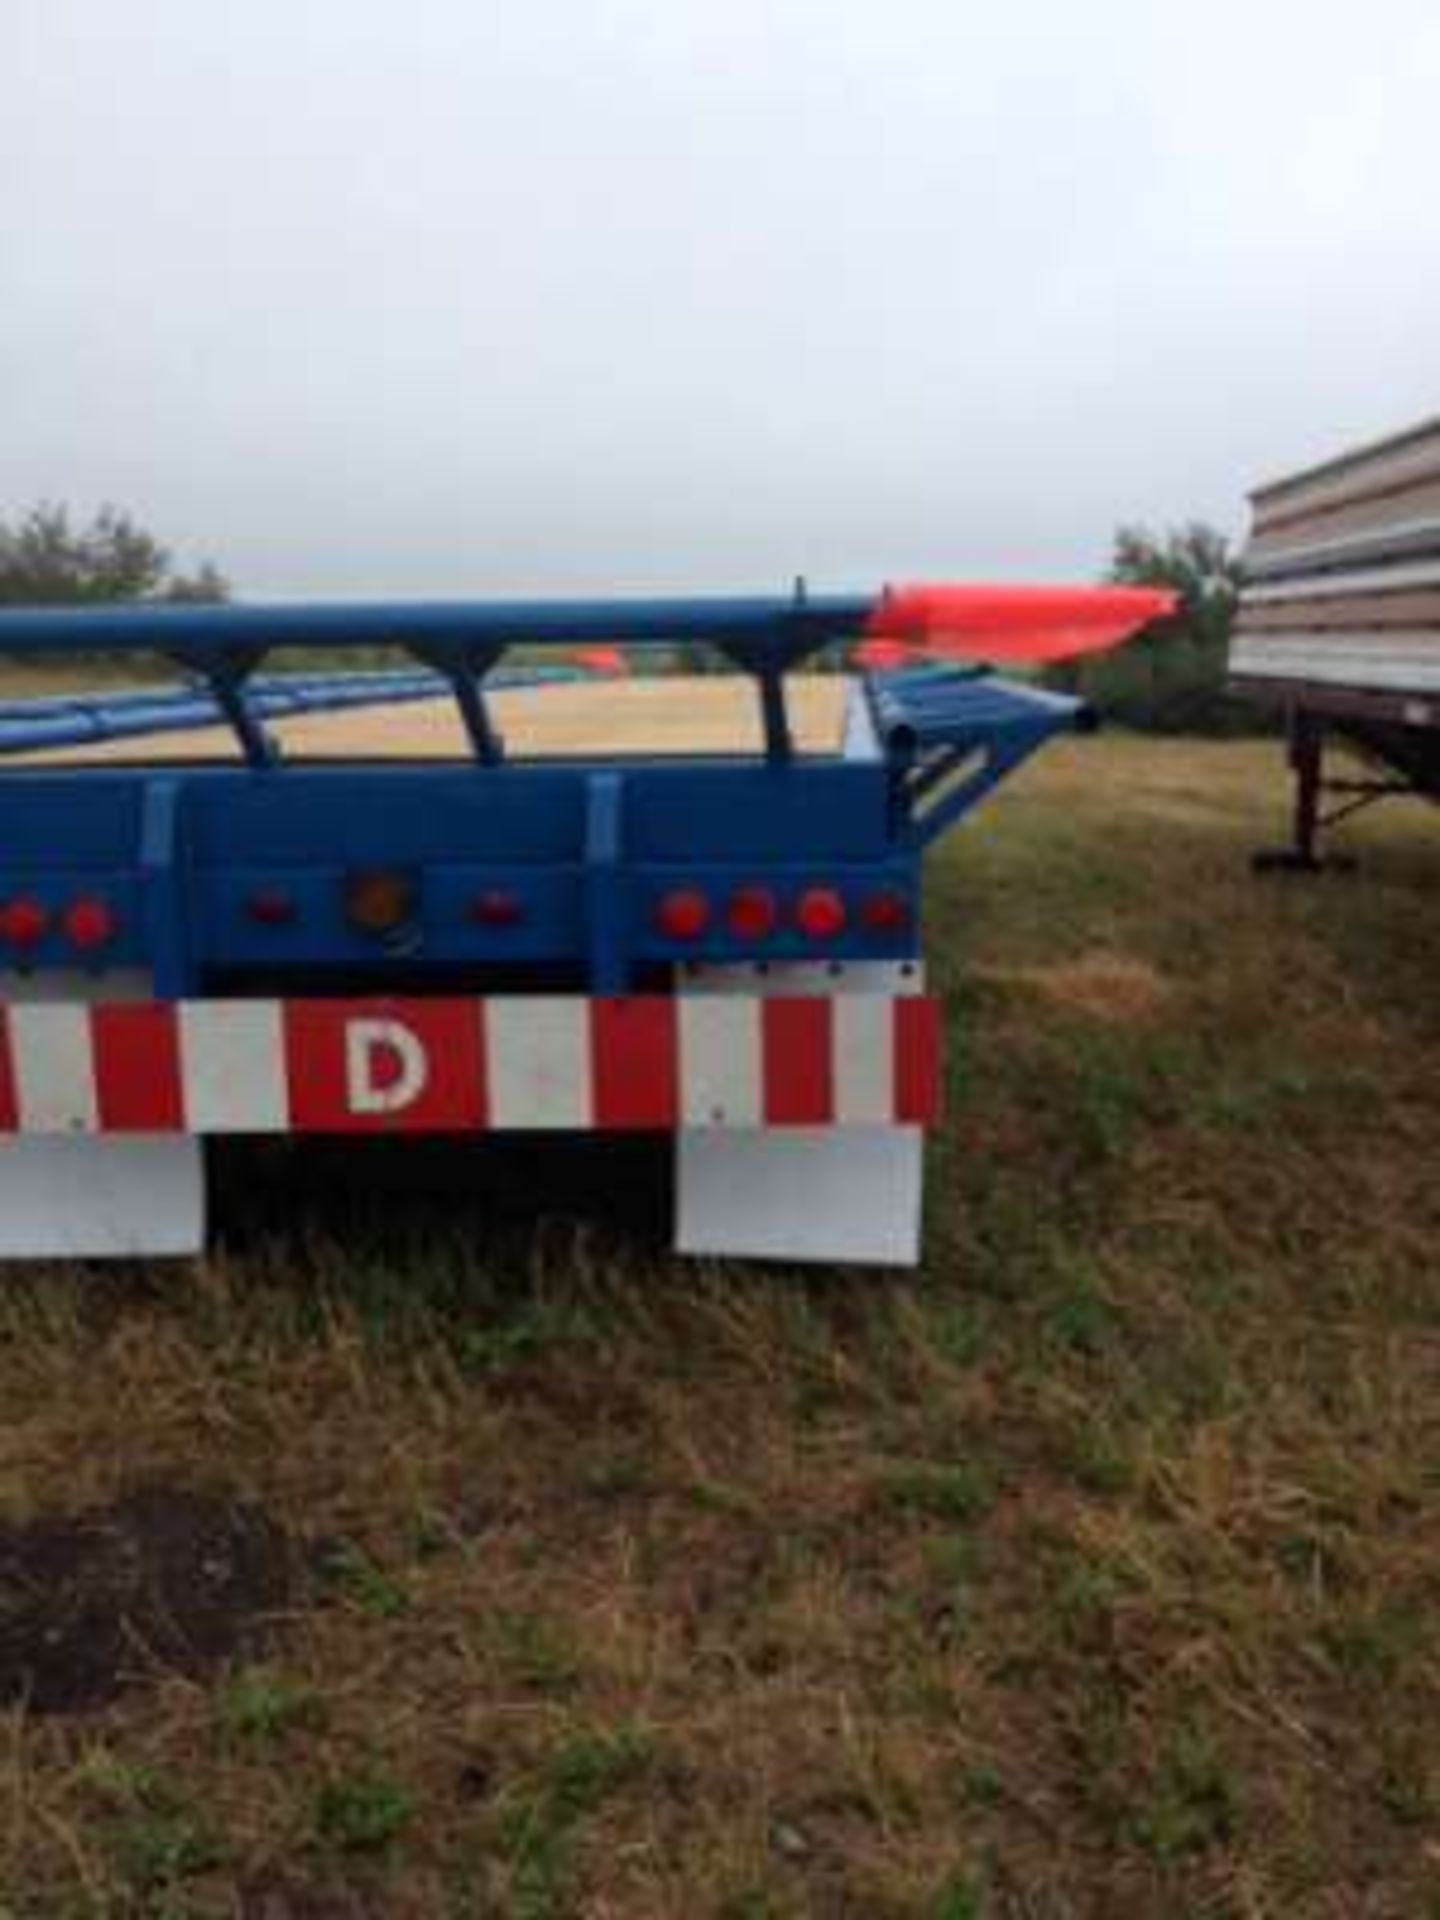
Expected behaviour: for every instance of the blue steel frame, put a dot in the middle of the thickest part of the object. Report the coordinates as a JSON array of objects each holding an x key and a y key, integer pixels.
[{"x": 584, "y": 850}]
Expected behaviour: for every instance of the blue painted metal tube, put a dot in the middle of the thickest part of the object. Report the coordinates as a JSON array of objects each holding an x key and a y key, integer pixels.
[
  {"x": 760, "y": 627},
  {"x": 952, "y": 707},
  {"x": 32, "y": 725},
  {"x": 953, "y": 736}
]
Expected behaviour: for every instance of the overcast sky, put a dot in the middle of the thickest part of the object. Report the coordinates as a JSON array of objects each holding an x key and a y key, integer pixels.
[{"x": 358, "y": 296}]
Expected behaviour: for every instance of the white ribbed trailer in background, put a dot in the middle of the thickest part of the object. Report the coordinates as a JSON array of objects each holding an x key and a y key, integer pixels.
[{"x": 1339, "y": 625}]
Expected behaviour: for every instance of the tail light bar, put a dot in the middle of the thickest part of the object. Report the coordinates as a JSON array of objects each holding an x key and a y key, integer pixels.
[
  {"x": 88, "y": 924},
  {"x": 755, "y": 914},
  {"x": 750, "y": 914}
]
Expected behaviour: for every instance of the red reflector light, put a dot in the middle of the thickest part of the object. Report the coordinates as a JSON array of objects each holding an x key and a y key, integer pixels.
[
  {"x": 272, "y": 907},
  {"x": 885, "y": 912},
  {"x": 753, "y": 913},
  {"x": 820, "y": 913},
  {"x": 683, "y": 914},
  {"x": 24, "y": 923},
  {"x": 89, "y": 924},
  {"x": 496, "y": 908}
]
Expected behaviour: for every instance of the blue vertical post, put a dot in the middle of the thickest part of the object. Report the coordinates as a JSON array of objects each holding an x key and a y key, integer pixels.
[
  {"x": 604, "y": 837},
  {"x": 162, "y": 880}
]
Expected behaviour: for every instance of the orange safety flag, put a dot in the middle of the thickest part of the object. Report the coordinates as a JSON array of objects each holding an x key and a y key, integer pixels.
[
  {"x": 602, "y": 660},
  {"x": 881, "y": 655},
  {"x": 1022, "y": 624}
]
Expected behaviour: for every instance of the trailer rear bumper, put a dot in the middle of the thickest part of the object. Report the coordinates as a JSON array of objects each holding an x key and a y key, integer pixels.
[
  {"x": 703, "y": 1061},
  {"x": 795, "y": 1097}
]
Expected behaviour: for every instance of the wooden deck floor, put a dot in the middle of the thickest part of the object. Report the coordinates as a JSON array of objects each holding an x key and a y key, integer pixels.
[{"x": 675, "y": 715}]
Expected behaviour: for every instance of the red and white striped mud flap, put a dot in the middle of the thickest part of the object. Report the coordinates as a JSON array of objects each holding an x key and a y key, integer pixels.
[{"x": 732, "y": 1061}]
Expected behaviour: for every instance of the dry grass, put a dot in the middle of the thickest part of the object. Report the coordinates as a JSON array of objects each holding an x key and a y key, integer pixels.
[{"x": 1092, "y": 1572}]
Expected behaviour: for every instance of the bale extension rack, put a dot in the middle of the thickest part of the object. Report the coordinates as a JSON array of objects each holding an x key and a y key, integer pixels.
[{"x": 206, "y": 935}]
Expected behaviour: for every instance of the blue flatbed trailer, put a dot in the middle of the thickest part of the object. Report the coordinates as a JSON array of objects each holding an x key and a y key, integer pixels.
[{"x": 722, "y": 946}]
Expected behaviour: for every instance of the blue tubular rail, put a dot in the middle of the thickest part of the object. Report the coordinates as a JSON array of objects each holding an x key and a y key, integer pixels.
[
  {"x": 786, "y": 625},
  {"x": 462, "y": 641},
  {"x": 65, "y": 720},
  {"x": 951, "y": 734}
]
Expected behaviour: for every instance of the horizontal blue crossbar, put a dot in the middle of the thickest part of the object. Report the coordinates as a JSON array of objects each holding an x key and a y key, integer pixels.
[{"x": 760, "y": 626}]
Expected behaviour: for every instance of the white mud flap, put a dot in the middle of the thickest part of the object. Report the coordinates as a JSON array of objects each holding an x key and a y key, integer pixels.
[
  {"x": 827, "y": 1194},
  {"x": 83, "y": 1197},
  {"x": 95, "y": 1199}
]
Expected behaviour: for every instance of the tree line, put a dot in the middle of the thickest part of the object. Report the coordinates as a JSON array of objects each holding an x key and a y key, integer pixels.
[
  {"x": 48, "y": 559},
  {"x": 1171, "y": 677}
]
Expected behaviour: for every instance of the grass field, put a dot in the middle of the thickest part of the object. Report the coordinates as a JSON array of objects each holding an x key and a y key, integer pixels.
[{"x": 452, "y": 1551}]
